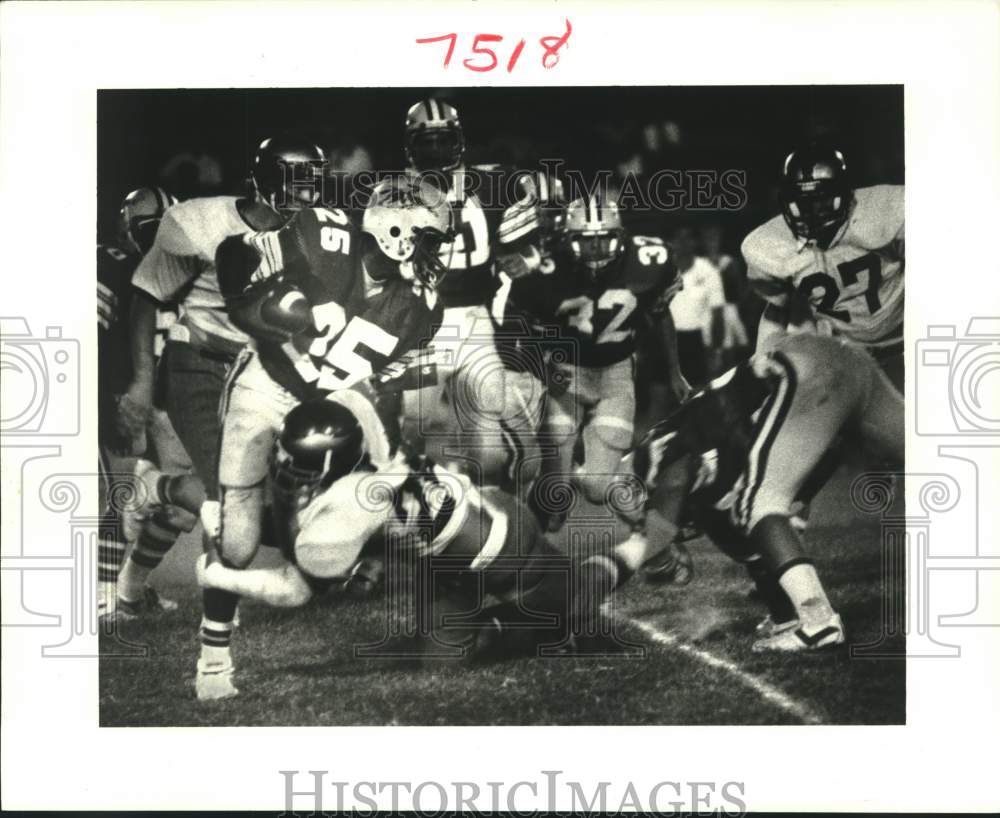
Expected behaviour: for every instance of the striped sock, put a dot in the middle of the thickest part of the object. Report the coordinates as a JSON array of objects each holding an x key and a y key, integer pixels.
[
  {"x": 215, "y": 638},
  {"x": 156, "y": 538},
  {"x": 110, "y": 556}
]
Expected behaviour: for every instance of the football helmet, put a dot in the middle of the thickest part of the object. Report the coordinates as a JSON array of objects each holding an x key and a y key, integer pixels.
[
  {"x": 434, "y": 138},
  {"x": 287, "y": 174},
  {"x": 140, "y": 216},
  {"x": 594, "y": 232},
  {"x": 550, "y": 195},
  {"x": 409, "y": 221},
  {"x": 815, "y": 193},
  {"x": 320, "y": 441}
]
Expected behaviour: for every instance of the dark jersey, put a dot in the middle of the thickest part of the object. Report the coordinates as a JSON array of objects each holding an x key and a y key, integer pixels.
[
  {"x": 115, "y": 268},
  {"x": 719, "y": 426},
  {"x": 114, "y": 298},
  {"x": 485, "y": 215},
  {"x": 602, "y": 317},
  {"x": 361, "y": 326}
]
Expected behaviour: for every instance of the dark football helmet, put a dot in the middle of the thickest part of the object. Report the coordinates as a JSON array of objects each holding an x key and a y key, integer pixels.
[
  {"x": 140, "y": 217},
  {"x": 287, "y": 174},
  {"x": 320, "y": 441},
  {"x": 594, "y": 233},
  {"x": 815, "y": 193},
  {"x": 434, "y": 138}
]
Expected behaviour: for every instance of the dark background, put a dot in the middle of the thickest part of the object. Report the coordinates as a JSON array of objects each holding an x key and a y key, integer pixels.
[{"x": 198, "y": 142}]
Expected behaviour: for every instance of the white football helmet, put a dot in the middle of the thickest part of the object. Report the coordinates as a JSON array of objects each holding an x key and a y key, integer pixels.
[{"x": 410, "y": 220}]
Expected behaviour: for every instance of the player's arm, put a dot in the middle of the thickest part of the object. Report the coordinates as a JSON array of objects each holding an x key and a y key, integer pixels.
[
  {"x": 168, "y": 267},
  {"x": 517, "y": 251},
  {"x": 260, "y": 297},
  {"x": 668, "y": 337},
  {"x": 136, "y": 404},
  {"x": 281, "y": 587}
]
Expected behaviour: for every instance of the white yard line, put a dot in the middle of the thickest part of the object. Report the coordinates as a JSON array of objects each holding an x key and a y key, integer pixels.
[{"x": 766, "y": 691}]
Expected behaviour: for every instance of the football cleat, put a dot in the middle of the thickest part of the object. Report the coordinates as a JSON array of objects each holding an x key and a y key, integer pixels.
[
  {"x": 804, "y": 637},
  {"x": 215, "y": 681},
  {"x": 149, "y": 603},
  {"x": 146, "y": 501},
  {"x": 767, "y": 627},
  {"x": 672, "y": 565}
]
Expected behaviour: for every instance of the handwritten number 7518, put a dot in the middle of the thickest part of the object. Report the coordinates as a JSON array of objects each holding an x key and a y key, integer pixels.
[{"x": 485, "y": 59}]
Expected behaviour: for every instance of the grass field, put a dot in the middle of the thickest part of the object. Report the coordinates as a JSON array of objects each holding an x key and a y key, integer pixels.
[{"x": 693, "y": 664}]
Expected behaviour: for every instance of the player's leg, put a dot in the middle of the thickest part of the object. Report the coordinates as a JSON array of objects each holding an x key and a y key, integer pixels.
[
  {"x": 117, "y": 492},
  {"x": 253, "y": 408},
  {"x": 881, "y": 417},
  {"x": 816, "y": 393},
  {"x": 553, "y": 493},
  {"x": 162, "y": 525},
  {"x": 608, "y": 435}
]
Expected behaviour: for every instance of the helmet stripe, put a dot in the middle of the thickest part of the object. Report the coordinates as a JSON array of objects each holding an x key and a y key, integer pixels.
[{"x": 435, "y": 111}]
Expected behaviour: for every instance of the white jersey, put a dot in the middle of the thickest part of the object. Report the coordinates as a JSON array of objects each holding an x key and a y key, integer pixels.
[
  {"x": 856, "y": 285},
  {"x": 181, "y": 267}
]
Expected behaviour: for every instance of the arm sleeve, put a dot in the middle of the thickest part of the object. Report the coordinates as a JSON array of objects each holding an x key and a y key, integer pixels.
[{"x": 170, "y": 263}]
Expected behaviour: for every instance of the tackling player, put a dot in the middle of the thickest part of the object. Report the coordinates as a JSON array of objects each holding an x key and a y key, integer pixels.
[
  {"x": 476, "y": 544},
  {"x": 328, "y": 306},
  {"x": 123, "y": 591},
  {"x": 736, "y": 456},
  {"x": 836, "y": 253},
  {"x": 600, "y": 289}
]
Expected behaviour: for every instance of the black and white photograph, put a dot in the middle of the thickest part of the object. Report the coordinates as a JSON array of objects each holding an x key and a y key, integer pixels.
[
  {"x": 499, "y": 407},
  {"x": 500, "y": 392}
]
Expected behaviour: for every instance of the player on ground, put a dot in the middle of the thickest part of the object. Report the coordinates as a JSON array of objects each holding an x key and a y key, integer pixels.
[
  {"x": 601, "y": 287},
  {"x": 495, "y": 221},
  {"x": 838, "y": 250},
  {"x": 125, "y": 433},
  {"x": 328, "y": 307},
  {"x": 738, "y": 454},
  {"x": 483, "y": 546}
]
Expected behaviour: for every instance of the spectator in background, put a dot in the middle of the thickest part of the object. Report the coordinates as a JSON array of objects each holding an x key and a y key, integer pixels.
[
  {"x": 735, "y": 343},
  {"x": 697, "y": 310}
]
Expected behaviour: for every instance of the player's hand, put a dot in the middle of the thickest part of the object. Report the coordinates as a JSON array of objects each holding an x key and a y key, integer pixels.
[
  {"x": 520, "y": 263},
  {"x": 679, "y": 387},
  {"x": 134, "y": 409}
]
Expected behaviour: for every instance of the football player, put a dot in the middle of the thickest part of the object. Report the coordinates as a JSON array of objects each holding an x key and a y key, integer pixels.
[
  {"x": 602, "y": 286},
  {"x": 328, "y": 306},
  {"x": 833, "y": 261},
  {"x": 736, "y": 456},
  {"x": 495, "y": 218},
  {"x": 475, "y": 544},
  {"x": 180, "y": 267},
  {"x": 123, "y": 591}
]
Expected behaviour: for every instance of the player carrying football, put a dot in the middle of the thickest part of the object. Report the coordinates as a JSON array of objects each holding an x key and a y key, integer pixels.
[
  {"x": 327, "y": 306},
  {"x": 737, "y": 455},
  {"x": 835, "y": 253}
]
